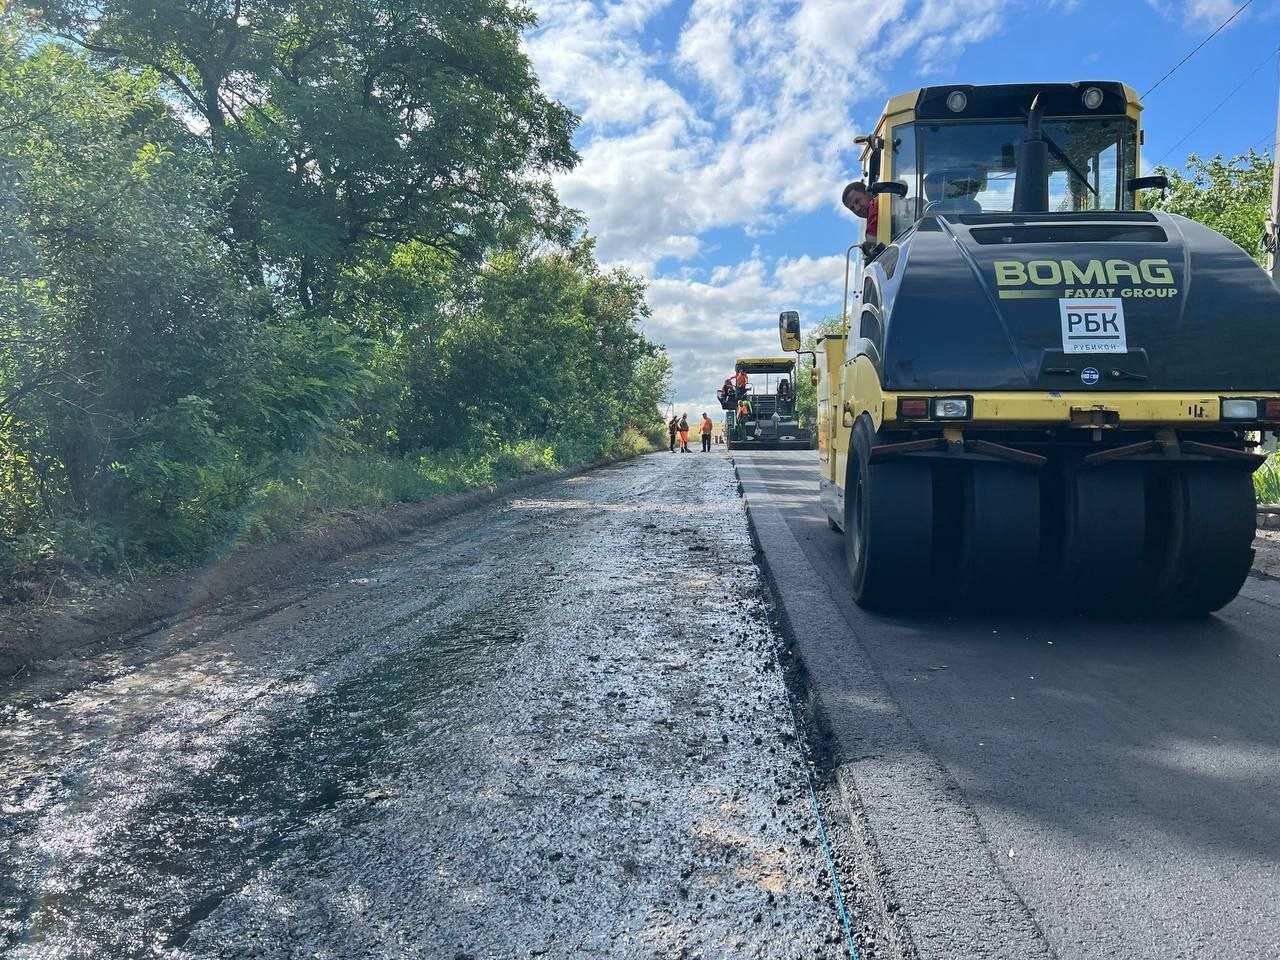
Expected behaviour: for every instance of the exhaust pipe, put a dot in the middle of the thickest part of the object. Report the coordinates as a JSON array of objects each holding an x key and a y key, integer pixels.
[{"x": 1031, "y": 183}]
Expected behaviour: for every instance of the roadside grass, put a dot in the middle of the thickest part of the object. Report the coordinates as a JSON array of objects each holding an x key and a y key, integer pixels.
[
  {"x": 1266, "y": 480},
  {"x": 302, "y": 493}
]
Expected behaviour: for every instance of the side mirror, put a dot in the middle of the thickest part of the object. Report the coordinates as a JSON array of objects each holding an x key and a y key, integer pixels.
[
  {"x": 1157, "y": 182},
  {"x": 789, "y": 330},
  {"x": 894, "y": 188}
]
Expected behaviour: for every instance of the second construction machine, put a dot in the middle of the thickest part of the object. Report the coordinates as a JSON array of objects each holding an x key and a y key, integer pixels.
[
  {"x": 1040, "y": 392},
  {"x": 768, "y": 421}
]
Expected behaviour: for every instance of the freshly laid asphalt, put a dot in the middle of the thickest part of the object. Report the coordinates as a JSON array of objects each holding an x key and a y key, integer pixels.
[{"x": 1042, "y": 786}]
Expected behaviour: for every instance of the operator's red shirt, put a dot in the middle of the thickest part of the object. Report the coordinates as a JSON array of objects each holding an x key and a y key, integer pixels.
[{"x": 873, "y": 220}]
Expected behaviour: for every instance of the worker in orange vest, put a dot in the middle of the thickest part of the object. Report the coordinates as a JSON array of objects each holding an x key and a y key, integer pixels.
[
  {"x": 684, "y": 433},
  {"x": 707, "y": 427},
  {"x": 740, "y": 381}
]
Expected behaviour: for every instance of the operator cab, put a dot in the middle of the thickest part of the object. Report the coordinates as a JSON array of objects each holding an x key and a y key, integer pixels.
[{"x": 955, "y": 150}]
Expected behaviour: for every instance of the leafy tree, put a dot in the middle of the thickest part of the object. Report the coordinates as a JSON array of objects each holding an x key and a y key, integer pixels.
[
  {"x": 345, "y": 125},
  {"x": 1231, "y": 196},
  {"x": 126, "y": 307},
  {"x": 544, "y": 346},
  {"x": 241, "y": 243},
  {"x": 121, "y": 302}
]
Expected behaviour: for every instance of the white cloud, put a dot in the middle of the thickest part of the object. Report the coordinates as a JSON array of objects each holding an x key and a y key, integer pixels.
[
  {"x": 1199, "y": 14},
  {"x": 706, "y": 324},
  {"x": 1209, "y": 11},
  {"x": 746, "y": 121}
]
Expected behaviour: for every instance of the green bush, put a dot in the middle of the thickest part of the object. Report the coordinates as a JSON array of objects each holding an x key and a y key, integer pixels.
[
  {"x": 631, "y": 442},
  {"x": 1266, "y": 480}
]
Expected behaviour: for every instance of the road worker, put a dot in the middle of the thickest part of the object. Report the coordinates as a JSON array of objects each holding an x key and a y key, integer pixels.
[
  {"x": 740, "y": 382},
  {"x": 684, "y": 433},
  {"x": 707, "y": 428},
  {"x": 727, "y": 394},
  {"x": 673, "y": 427},
  {"x": 863, "y": 204}
]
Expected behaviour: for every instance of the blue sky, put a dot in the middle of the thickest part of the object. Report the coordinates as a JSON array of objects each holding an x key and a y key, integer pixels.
[{"x": 716, "y": 135}]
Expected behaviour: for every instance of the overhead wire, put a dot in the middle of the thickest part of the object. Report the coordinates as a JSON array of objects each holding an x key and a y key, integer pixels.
[
  {"x": 1234, "y": 90},
  {"x": 1222, "y": 26}
]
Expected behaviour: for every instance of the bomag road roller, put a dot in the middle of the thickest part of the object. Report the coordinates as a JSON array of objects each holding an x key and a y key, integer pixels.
[
  {"x": 1040, "y": 393},
  {"x": 770, "y": 422}
]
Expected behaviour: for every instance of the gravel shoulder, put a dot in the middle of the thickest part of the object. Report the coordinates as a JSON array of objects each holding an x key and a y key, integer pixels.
[{"x": 554, "y": 725}]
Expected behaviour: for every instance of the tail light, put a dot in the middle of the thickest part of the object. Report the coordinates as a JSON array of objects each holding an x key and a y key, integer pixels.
[{"x": 913, "y": 408}]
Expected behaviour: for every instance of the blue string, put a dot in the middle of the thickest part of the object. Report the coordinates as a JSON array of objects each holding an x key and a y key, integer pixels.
[{"x": 831, "y": 865}]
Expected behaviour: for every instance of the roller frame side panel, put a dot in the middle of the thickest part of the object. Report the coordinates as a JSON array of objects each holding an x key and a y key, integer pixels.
[{"x": 1183, "y": 409}]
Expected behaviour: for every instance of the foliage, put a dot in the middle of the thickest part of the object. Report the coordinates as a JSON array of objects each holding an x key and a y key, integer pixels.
[
  {"x": 1266, "y": 480},
  {"x": 348, "y": 125},
  {"x": 265, "y": 260},
  {"x": 1231, "y": 196},
  {"x": 806, "y": 392}
]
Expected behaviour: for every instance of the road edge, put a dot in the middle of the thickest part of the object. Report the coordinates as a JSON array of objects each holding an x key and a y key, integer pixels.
[
  {"x": 915, "y": 931},
  {"x": 37, "y": 632}
]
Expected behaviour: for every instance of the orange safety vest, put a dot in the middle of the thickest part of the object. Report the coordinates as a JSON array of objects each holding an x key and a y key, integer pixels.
[
  {"x": 707, "y": 426},
  {"x": 741, "y": 379}
]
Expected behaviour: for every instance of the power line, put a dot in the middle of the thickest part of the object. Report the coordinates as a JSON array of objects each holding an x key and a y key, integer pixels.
[
  {"x": 1234, "y": 91},
  {"x": 1221, "y": 27},
  {"x": 1268, "y": 140}
]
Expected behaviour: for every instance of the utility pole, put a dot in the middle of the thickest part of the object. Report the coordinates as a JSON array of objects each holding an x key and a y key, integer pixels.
[{"x": 1271, "y": 238}]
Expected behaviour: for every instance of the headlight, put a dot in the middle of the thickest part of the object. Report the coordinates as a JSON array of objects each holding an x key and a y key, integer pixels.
[
  {"x": 951, "y": 408},
  {"x": 1237, "y": 408},
  {"x": 957, "y": 101},
  {"x": 1092, "y": 98}
]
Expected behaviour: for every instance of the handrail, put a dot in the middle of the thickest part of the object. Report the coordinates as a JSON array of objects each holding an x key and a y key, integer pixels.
[{"x": 844, "y": 315}]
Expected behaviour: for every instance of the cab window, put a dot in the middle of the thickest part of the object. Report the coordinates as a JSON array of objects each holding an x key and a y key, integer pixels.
[
  {"x": 906, "y": 211},
  {"x": 969, "y": 167}
]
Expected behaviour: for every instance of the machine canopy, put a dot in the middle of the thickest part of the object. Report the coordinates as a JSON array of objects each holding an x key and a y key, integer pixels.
[{"x": 765, "y": 364}]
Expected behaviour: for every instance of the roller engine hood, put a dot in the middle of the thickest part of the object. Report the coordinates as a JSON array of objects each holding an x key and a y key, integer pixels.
[{"x": 1114, "y": 301}]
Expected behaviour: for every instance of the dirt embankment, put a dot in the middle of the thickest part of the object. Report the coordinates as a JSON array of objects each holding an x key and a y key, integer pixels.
[{"x": 100, "y": 609}]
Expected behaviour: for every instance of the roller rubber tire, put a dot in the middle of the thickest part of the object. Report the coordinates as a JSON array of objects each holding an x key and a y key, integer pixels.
[
  {"x": 1103, "y": 569},
  {"x": 888, "y": 527},
  {"x": 1215, "y": 520},
  {"x": 999, "y": 556}
]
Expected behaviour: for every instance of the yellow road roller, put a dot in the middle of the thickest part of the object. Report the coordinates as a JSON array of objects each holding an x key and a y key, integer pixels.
[{"x": 1040, "y": 393}]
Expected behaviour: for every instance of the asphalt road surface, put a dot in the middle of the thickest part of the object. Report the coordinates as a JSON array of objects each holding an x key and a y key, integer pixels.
[
  {"x": 1041, "y": 786},
  {"x": 550, "y": 727}
]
